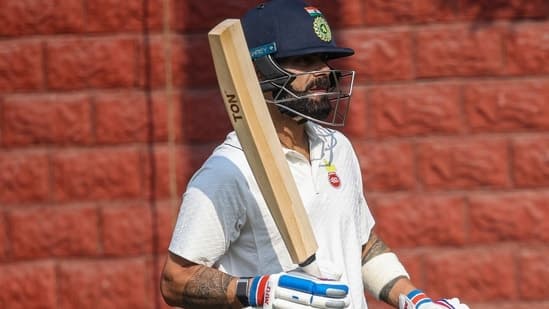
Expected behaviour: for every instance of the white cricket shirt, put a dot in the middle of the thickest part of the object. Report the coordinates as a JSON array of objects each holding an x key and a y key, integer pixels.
[{"x": 224, "y": 221}]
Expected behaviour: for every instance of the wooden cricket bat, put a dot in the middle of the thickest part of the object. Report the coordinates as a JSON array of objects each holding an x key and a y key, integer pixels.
[{"x": 253, "y": 125}]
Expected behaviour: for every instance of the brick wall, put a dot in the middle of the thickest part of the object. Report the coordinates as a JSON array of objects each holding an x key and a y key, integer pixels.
[{"x": 449, "y": 117}]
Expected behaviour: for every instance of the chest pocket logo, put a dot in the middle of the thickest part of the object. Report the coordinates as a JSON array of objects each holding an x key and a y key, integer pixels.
[{"x": 334, "y": 180}]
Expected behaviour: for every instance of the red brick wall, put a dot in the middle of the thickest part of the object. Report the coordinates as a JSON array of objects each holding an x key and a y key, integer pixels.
[{"x": 450, "y": 118}]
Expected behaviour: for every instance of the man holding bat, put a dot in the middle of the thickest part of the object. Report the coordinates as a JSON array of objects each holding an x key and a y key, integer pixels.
[{"x": 226, "y": 250}]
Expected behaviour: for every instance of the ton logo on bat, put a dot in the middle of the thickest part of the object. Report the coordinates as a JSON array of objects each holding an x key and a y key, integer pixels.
[{"x": 233, "y": 105}]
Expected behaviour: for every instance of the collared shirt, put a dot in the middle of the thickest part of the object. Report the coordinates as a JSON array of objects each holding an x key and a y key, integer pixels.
[{"x": 224, "y": 221}]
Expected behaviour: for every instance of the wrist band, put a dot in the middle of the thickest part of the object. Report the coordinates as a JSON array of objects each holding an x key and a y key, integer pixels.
[{"x": 242, "y": 291}]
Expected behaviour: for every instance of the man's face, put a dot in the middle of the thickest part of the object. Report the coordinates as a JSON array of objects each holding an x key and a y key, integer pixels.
[{"x": 318, "y": 82}]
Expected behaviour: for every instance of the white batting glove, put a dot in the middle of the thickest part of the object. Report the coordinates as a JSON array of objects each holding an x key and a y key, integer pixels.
[
  {"x": 418, "y": 300},
  {"x": 296, "y": 289}
]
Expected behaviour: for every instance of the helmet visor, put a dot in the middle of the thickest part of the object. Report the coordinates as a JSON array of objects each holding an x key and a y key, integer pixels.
[{"x": 325, "y": 101}]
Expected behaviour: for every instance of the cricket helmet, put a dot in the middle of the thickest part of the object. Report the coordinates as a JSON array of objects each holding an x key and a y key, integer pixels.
[{"x": 286, "y": 28}]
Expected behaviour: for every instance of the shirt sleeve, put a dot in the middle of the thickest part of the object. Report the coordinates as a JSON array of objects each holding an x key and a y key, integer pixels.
[
  {"x": 366, "y": 220},
  {"x": 212, "y": 212}
]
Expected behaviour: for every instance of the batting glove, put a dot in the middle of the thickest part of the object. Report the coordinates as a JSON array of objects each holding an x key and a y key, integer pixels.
[
  {"x": 296, "y": 289},
  {"x": 418, "y": 300}
]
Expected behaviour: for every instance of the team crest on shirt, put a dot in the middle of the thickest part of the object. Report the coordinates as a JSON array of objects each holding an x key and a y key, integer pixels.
[{"x": 333, "y": 178}]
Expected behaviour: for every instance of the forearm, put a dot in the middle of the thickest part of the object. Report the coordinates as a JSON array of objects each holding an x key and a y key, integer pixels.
[
  {"x": 386, "y": 278},
  {"x": 198, "y": 286},
  {"x": 392, "y": 291}
]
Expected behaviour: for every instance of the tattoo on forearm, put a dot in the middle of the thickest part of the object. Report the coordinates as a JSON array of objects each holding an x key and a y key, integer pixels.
[
  {"x": 384, "y": 293},
  {"x": 207, "y": 288},
  {"x": 375, "y": 246}
]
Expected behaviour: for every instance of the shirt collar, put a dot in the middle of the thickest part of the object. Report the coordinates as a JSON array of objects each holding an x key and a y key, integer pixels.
[{"x": 316, "y": 133}]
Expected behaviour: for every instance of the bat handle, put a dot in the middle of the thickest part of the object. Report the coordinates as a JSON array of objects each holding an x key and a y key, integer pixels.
[{"x": 310, "y": 266}]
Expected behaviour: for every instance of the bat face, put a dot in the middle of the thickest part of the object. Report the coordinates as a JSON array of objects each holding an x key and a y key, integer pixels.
[{"x": 253, "y": 125}]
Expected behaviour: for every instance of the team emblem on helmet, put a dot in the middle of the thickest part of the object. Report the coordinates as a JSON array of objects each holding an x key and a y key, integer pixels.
[{"x": 322, "y": 29}]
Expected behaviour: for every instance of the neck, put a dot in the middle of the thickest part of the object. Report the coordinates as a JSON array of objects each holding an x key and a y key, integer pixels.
[{"x": 291, "y": 134}]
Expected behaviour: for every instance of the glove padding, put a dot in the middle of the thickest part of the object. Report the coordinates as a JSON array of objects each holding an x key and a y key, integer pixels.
[
  {"x": 418, "y": 300},
  {"x": 296, "y": 289}
]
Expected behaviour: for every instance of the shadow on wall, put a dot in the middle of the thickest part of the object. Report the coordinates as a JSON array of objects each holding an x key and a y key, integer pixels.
[{"x": 200, "y": 120}]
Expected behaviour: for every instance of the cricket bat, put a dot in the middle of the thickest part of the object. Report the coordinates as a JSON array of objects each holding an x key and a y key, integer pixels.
[{"x": 253, "y": 125}]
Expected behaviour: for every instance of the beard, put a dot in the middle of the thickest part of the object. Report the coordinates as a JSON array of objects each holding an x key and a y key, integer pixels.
[{"x": 316, "y": 107}]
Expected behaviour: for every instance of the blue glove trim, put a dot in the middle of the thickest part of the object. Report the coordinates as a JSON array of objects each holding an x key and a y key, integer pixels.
[
  {"x": 313, "y": 288},
  {"x": 425, "y": 301},
  {"x": 413, "y": 293},
  {"x": 253, "y": 291},
  {"x": 296, "y": 283}
]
